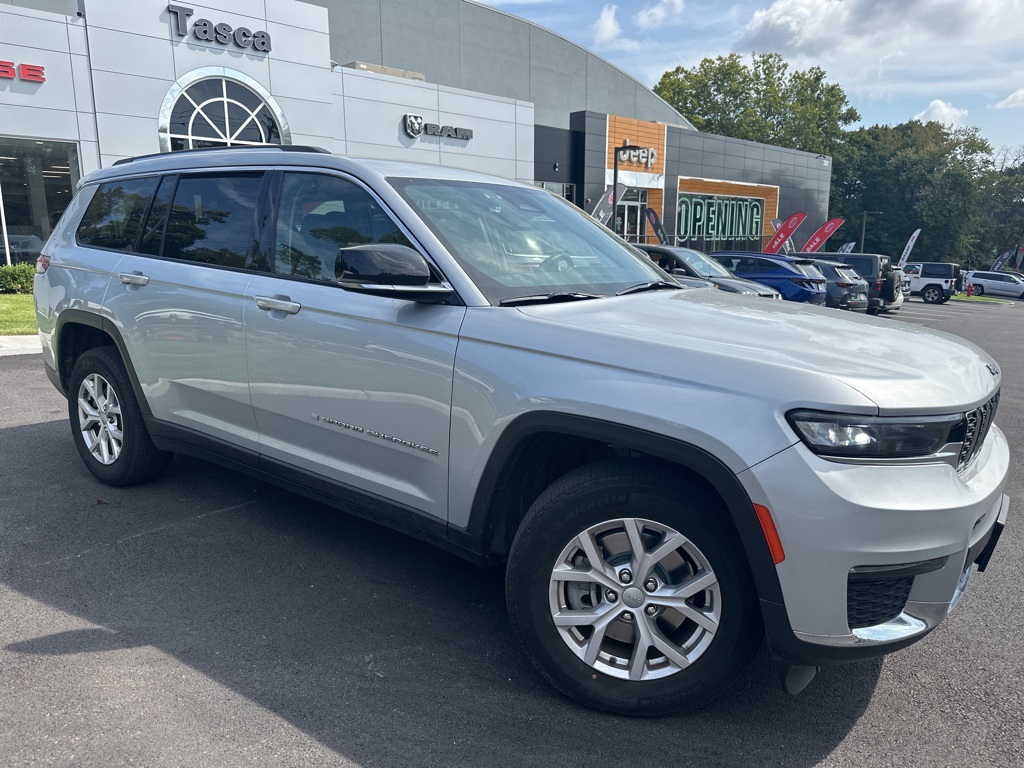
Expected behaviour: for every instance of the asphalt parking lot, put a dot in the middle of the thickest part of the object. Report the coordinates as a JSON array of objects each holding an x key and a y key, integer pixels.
[{"x": 207, "y": 619}]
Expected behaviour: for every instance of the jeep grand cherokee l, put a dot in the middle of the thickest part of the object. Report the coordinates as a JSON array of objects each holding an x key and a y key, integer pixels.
[{"x": 668, "y": 473}]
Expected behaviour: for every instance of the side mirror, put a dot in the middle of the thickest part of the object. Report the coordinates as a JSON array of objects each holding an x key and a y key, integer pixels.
[{"x": 390, "y": 270}]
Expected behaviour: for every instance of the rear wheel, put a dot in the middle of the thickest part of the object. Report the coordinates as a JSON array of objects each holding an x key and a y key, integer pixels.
[
  {"x": 931, "y": 294},
  {"x": 107, "y": 423},
  {"x": 630, "y": 591}
]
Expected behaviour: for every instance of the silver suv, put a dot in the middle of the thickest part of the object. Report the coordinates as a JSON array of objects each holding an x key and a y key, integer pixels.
[{"x": 669, "y": 473}]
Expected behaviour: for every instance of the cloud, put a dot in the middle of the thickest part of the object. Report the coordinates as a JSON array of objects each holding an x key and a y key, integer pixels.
[
  {"x": 608, "y": 32},
  {"x": 1014, "y": 101},
  {"x": 943, "y": 112},
  {"x": 664, "y": 12},
  {"x": 606, "y": 28}
]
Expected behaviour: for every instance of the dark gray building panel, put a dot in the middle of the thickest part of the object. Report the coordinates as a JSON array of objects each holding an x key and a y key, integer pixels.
[
  {"x": 495, "y": 54},
  {"x": 355, "y": 29},
  {"x": 558, "y": 78},
  {"x": 416, "y": 35},
  {"x": 465, "y": 45}
]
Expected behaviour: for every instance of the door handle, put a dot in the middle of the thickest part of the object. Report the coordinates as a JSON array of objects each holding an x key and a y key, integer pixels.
[
  {"x": 279, "y": 303},
  {"x": 133, "y": 278}
]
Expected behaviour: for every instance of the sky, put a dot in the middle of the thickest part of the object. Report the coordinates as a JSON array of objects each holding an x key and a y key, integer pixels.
[{"x": 960, "y": 62}]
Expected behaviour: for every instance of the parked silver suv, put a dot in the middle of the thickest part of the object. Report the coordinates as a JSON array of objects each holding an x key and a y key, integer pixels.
[{"x": 669, "y": 473}]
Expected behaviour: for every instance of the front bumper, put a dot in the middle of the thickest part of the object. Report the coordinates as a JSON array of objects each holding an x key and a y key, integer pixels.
[{"x": 917, "y": 530}]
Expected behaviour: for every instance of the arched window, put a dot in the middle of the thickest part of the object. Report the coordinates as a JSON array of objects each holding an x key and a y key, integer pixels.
[{"x": 215, "y": 107}]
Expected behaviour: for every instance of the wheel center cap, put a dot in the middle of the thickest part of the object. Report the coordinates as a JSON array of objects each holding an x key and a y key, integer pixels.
[{"x": 633, "y": 597}]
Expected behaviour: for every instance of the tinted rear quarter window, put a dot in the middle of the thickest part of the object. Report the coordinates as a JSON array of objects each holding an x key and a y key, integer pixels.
[
  {"x": 212, "y": 219},
  {"x": 864, "y": 266},
  {"x": 937, "y": 270},
  {"x": 115, "y": 212}
]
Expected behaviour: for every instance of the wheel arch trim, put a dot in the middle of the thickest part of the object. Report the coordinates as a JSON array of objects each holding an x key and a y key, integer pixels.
[
  {"x": 483, "y": 522},
  {"x": 106, "y": 326}
]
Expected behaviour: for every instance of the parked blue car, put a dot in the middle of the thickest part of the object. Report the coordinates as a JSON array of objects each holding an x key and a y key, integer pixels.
[{"x": 797, "y": 279}]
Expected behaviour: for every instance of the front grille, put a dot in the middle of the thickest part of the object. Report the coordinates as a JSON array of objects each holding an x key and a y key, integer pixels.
[
  {"x": 875, "y": 601},
  {"x": 978, "y": 423}
]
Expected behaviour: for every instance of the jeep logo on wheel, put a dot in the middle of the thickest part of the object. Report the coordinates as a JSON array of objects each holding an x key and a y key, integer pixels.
[{"x": 413, "y": 125}]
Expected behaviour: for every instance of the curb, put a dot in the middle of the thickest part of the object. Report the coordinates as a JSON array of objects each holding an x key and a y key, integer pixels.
[{"x": 20, "y": 345}]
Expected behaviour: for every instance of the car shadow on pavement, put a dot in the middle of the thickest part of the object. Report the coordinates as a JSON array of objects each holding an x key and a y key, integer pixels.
[{"x": 385, "y": 650}]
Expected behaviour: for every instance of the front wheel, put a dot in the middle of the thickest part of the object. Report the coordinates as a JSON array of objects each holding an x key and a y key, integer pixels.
[
  {"x": 106, "y": 421},
  {"x": 630, "y": 590},
  {"x": 979, "y": 290}
]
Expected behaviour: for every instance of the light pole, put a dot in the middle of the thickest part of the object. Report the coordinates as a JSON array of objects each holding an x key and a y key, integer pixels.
[
  {"x": 615, "y": 181},
  {"x": 863, "y": 227}
]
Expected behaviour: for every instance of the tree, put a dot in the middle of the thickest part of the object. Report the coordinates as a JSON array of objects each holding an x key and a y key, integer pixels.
[
  {"x": 919, "y": 175},
  {"x": 761, "y": 102}
]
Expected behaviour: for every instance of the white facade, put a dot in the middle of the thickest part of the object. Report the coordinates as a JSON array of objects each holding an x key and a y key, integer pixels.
[{"x": 108, "y": 76}]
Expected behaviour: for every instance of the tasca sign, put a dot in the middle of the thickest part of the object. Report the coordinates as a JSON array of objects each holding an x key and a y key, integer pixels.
[
  {"x": 415, "y": 127},
  {"x": 209, "y": 32}
]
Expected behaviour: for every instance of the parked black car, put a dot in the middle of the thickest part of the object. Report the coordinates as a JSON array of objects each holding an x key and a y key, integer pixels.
[
  {"x": 692, "y": 263},
  {"x": 846, "y": 289}
]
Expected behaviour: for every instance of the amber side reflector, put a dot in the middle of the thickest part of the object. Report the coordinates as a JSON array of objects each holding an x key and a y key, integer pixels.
[{"x": 771, "y": 535}]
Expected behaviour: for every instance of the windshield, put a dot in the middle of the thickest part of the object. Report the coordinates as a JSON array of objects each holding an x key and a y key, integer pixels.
[
  {"x": 701, "y": 263},
  {"x": 516, "y": 241}
]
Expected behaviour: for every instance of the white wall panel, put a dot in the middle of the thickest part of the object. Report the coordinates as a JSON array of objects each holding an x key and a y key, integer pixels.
[
  {"x": 299, "y": 81},
  {"x": 82, "y": 83},
  {"x": 58, "y": 92},
  {"x": 313, "y": 117},
  {"x": 190, "y": 55},
  {"x": 35, "y": 32},
  {"x": 392, "y": 90},
  {"x": 35, "y": 123},
  {"x": 127, "y": 136},
  {"x": 299, "y": 46},
  {"x": 129, "y": 94},
  {"x": 475, "y": 105},
  {"x": 120, "y": 51}
]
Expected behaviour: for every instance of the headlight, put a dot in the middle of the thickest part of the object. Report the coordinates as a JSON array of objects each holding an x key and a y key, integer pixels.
[{"x": 847, "y": 436}]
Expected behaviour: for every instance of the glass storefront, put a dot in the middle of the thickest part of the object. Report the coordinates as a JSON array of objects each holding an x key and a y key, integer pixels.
[
  {"x": 37, "y": 182},
  {"x": 630, "y": 218}
]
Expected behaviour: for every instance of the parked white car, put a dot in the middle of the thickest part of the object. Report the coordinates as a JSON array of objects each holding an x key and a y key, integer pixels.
[{"x": 996, "y": 284}]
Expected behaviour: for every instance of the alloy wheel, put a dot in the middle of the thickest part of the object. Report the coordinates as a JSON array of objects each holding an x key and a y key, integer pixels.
[
  {"x": 99, "y": 419},
  {"x": 635, "y": 599}
]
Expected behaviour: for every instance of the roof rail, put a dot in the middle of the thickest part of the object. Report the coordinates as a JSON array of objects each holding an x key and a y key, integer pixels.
[{"x": 235, "y": 148}]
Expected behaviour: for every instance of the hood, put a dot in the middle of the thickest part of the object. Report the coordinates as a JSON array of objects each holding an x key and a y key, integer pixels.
[{"x": 733, "y": 341}]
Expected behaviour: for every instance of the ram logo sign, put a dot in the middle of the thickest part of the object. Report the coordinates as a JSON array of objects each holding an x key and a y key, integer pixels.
[{"x": 415, "y": 127}]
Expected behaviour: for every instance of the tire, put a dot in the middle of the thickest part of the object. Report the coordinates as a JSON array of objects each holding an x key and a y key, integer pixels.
[
  {"x": 891, "y": 288},
  {"x": 107, "y": 424},
  {"x": 944, "y": 299},
  {"x": 931, "y": 294},
  {"x": 979, "y": 290},
  {"x": 698, "y": 645}
]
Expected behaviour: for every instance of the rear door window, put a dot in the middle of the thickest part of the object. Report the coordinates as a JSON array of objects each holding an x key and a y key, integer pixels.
[
  {"x": 212, "y": 220},
  {"x": 115, "y": 213},
  {"x": 935, "y": 270}
]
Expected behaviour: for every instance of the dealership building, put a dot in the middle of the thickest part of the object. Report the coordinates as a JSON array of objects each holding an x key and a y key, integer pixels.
[{"x": 84, "y": 83}]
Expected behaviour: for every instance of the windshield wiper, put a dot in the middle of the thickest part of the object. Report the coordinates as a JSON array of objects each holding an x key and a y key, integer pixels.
[
  {"x": 654, "y": 285},
  {"x": 547, "y": 298}
]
